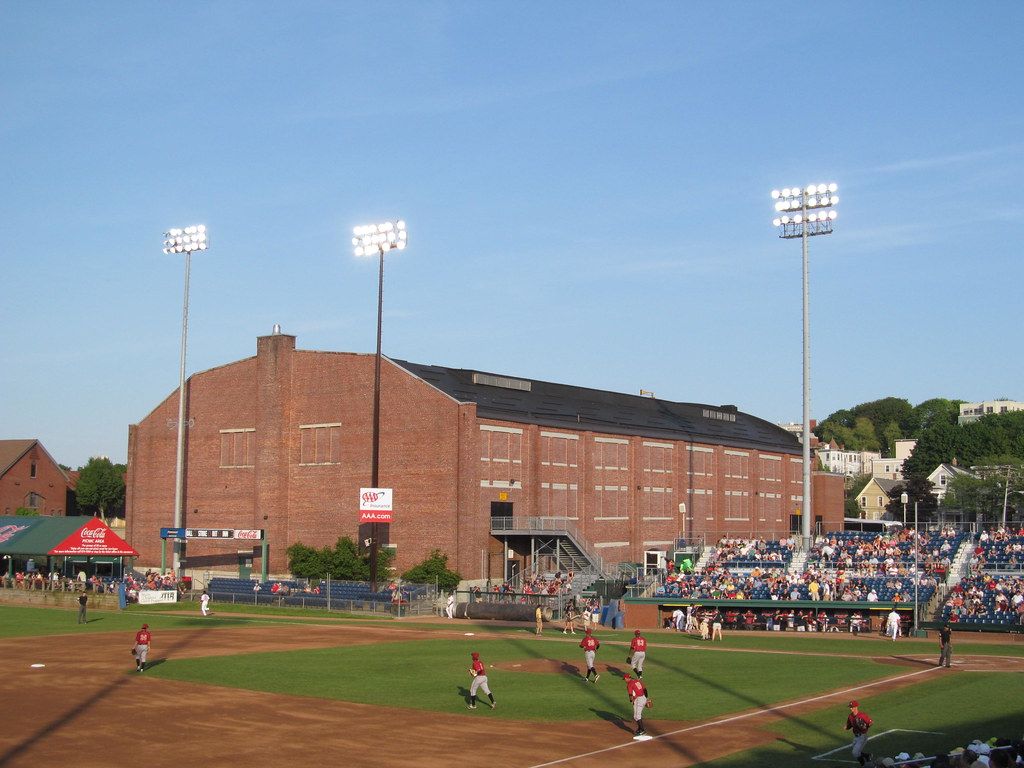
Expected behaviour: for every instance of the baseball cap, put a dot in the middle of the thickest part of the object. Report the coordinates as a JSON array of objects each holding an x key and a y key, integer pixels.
[
  {"x": 475, "y": 655},
  {"x": 854, "y": 703},
  {"x": 903, "y": 756},
  {"x": 145, "y": 626},
  {"x": 626, "y": 677},
  {"x": 979, "y": 747},
  {"x": 636, "y": 632}
]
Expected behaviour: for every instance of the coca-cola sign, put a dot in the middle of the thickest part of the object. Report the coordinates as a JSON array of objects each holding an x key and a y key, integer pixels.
[
  {"x": 249, "y": 535},
  {"x": 94, "y": 538}
]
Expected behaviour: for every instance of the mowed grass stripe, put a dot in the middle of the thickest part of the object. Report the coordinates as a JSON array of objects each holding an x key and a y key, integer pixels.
[
  {"x": 954, "y": 708},
  {"x": 432, "y": 675}
]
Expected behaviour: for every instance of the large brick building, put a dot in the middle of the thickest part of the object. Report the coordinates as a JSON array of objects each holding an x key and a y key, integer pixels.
[{"x": 495, "y": 471}]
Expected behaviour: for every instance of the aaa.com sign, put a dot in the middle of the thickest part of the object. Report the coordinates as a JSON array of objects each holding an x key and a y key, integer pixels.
[{"x": 375, "y": 505}]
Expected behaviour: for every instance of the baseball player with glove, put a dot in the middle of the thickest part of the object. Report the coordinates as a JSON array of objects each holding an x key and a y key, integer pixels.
[
  {"x": 637, "y": 654},
  {"x": 859, "y": 722},
  {"x": 590, "y": 644},
  {"x": 479, "y": 675},
  {"x": 637, "y": 693},
  {"x": 143, "y": 638}
]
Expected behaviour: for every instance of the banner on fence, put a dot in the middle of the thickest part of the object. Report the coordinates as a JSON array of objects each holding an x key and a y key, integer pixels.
[{"x": 154, "y": 596}]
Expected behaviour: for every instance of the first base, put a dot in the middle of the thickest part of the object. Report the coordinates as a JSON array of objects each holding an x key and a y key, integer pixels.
[{"x": 644, "y": 737}]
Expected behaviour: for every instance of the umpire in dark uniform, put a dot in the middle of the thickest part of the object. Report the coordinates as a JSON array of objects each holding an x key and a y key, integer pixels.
[{"x": 83, "y": 601}]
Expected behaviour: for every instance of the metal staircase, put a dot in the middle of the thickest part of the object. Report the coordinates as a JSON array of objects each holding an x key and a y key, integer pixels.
[{"x": 558, "y": 540}]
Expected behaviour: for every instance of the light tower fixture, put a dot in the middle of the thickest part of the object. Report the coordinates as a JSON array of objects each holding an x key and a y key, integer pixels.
[
  {"x": 376, "y": 240},
  {"x": 805, "y": 212},
  {"x": 187, "y": 241}
]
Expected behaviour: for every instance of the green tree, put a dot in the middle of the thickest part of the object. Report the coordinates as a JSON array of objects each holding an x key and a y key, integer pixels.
[
  {"x": 854, "y": 485},
  {"x": 342, "y": 562},
  {"x": 919, "y": 490},
  {"x": 890, "y": 435},
  {"x": 978, "y": 496},
  {"x": 935, "y": 411},
  {"x": 865, "y": 435},
  {"x": 100, "y": 487},
  {"x": 434, "y": 570},
  {"x": 26, "y": 512}
]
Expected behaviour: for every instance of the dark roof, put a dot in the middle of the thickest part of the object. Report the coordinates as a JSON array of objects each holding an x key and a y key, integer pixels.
[
  {"x": 36, "y": 535},
  {"x": 527, "y": 401}
]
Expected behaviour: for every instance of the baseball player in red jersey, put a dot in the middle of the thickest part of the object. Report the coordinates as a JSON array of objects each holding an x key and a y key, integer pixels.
[
  {"x": 637, "y": 653},
  {"x": 637, "y": 693},
  {"x": 479, "y": 674},
  {"x": 143, "y": 639},
  {"x": 590, "y": 644},
  {"x": 859, "y": 722}
]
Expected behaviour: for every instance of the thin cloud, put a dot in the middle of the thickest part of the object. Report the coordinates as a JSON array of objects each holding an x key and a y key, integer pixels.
[{"x": 943, "y": 161}]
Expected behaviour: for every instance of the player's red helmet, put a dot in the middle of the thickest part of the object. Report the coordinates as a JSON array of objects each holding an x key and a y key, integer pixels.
[
  {"x": 145, "y": 626},
  {"x": 475, "y": 655},
  {"x": 626, "y": 677},
  {"x": 854, "y": 703},
  {"x": 636, "y": 632},
  {"x": 588, "y": 630}
]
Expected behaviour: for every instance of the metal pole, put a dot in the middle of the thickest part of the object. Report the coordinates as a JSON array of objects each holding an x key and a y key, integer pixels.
[
  {"x": 917, "y": 577},
  {"x": 179, "y": 467},
  {"x": 1006, "y": 495},
  {"x": 375, "y": 458},
  {"x": 806, "y": 521}
]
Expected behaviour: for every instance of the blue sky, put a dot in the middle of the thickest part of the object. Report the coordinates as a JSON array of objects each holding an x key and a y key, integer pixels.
[{"x": 586, "y": 187}]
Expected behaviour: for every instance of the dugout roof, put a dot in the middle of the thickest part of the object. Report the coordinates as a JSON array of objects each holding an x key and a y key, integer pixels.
[
  {"x": 79, "y": 536},
  {"x": 505, "y": 398}
]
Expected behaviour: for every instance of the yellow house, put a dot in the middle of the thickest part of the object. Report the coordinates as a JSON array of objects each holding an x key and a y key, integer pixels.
[{"x": 874, "y": 497}]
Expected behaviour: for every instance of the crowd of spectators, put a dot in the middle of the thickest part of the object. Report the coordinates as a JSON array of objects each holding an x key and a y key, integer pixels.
[
  {"x": 994, "y": 753},
  {"x": 986, "y": 598},
  {"x": 1000, "y": 549},
  {"x": 889, "y": 554},
  {"x": 753, "y": 552}
]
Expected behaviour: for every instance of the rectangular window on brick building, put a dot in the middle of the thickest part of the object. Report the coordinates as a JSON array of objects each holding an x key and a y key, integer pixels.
[
  {"x": 559, "y": 500},
  {"x": 237, "y": 447},
  {"x": 737, "y": 505},
  {"x": 701, "y": 461},
  {"x": 702, "y": 504},
  {"x": 501, "y": 454},
  {"x": 771, "y": 468},
  {"x": 319, "y": 444},
  {"x": 737, "y": 464}
]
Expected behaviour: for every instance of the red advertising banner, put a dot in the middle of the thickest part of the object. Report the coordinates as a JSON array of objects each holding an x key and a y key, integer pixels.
[
  {"x": 94, "y": 538},
  {"x": 375, "y": 505}
]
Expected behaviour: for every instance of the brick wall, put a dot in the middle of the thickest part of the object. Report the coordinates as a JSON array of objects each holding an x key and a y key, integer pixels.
[{"x": 283, "y": 441}]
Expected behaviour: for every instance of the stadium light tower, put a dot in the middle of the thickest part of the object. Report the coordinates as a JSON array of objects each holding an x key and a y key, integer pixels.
[
  {"x": 369, "y": 240},
  {"x": 806, "y": 212},
  {"x": 186, "y": 241}
]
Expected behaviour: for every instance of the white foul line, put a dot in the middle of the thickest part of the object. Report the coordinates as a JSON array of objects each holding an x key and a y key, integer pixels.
[
  {"x": 744, "y": 716},
  {"x": 824, "y": 755}
]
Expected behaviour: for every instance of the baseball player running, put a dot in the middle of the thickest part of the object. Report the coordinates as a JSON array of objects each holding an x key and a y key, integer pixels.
[
  {"x": 479, "y": 675},
  {"x": 143, "y": 639},
  {"x": 204, "y": 603},
  {"x": 637, "y": 653},
  {"x": 859, "y": 722},
  {"x": 590, "y": 644},
  {"x": 637, "y": 693}
]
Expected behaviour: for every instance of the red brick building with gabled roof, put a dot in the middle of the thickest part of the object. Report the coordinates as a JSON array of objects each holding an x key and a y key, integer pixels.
[
  {"x": 495, "y": 471},
  {"x": 30, "y": 478}
]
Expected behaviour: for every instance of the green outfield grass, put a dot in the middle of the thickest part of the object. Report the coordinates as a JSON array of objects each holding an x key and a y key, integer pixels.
[
  {"x": 432, "y": 675},
  {"x": 953, "y": 708}
]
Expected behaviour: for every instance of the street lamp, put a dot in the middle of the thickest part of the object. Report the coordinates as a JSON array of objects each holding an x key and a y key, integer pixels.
[
  {"x": 186, "y": 241},
  {"x": 804, "y": 214},
  {"x": 368, "y": 240},
  {"x": 904, "y": 498}
]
